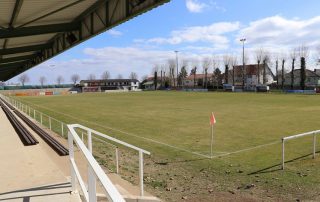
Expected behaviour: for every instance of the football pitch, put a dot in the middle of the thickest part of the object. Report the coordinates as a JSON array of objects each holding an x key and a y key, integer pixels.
[{"x": 174, "y": 127}]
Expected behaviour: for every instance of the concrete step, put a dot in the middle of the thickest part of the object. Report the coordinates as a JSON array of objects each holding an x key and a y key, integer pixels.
[{"x": 48, "y": 193}]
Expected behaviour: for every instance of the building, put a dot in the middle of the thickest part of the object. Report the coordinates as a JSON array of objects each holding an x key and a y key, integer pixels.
[
  {"x": 312, "y": 79},
  {"x": 196, "y": 80},
  {"x": 109, "y": 84},
  {"x": 251, "y": 79}
]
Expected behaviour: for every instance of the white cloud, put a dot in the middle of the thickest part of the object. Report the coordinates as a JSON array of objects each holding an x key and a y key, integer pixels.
[
  {"x": 116, "y": 60},
  {"x": 197, "y": 6},
  {"x": 114, "y": 33},
  {"x": 277, "y": 31},
  {"x": 194, "y": 6},
  {"x": 213, "y": 34}
]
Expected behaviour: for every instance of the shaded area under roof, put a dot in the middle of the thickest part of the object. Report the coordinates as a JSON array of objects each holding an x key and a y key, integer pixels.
[{"x": 33, "y": 31}]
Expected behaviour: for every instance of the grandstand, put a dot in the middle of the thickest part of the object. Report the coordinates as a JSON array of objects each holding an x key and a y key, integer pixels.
[
  {"x": 32, "y": 32},
  {"x": 109, "y": 84}
]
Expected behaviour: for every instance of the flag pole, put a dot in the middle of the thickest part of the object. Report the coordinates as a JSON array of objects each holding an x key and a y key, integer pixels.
[{"x": 211, "y": 140}]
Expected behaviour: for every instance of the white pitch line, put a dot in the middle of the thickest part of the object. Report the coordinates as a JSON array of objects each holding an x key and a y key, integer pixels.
[
  {"x": 126, "y": 133},
  {"x": 247, "y": 149},
  {"x": 161, "y": 143}
]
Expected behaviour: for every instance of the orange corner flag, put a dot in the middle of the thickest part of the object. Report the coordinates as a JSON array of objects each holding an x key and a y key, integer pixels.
[{"x": 212, "y": 119}]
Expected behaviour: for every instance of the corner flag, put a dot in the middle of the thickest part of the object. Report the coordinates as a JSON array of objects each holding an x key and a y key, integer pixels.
[{"x": 212, "y": 119}]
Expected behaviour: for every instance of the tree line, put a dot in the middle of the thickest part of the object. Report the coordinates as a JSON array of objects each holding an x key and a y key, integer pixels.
[
  {"x": 165, "y": 75},
  {"x": 74, "y": 78}
]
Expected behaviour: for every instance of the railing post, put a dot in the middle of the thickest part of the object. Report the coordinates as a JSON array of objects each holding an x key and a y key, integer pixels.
[
  {"x": 89, "y": 141},
  {"x": 283, "y": 153},
  {"x": 91, "y": 185},
  {"x": 29, "y": 110},
  {"x": 71, "y": 157},
  {"x": 41, "y": 118},
  {"x": 82, "y": 136},
  {"x": 314, "y": 145},
  {"x": 62, "y": 129},
  {"x": 49, "y": 122},
  {"x": 141, "y": 173},
  {"x": 34, "y": 114},
  {"x": 117, "y": 160}
]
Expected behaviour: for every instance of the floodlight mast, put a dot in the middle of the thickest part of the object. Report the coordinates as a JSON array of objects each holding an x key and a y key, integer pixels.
[{"x": 243, "y": 40}]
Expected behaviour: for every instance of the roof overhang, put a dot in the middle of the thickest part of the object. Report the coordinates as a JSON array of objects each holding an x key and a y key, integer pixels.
[{"x": 33, "y": 31}]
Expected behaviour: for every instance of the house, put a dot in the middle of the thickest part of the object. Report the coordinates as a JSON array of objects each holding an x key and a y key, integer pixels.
[
  {"x": 149, "y": 84},
  {"x": 251, "y": 78},
  {"x": 312, "y": 79},
  {"x": 196, "y": 80},
  {"x": 109, "y": 84}
]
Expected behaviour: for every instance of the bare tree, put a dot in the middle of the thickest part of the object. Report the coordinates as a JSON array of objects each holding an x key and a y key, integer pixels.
[
  {"x": 105, "y": 75},
  {"x": 227, "y": 59},
  {"x": 59, "y": 80},
  {"x": 91, "y": 77},
  {"x": 144, "y": 77},
  {"x": 277, "y": 70},
  {"x": 293, "y": 56},
  {"x": 119, "y": 76},
  {"x": 183, "y": 71},
  {"x": 303, "y": 51},
  {"x": 206, "y": 62},
  {"x": 172, "y": 67},
  {"x": 266, "y": 60},
  {"x": 215, "y": 65},
  {"x": 234, "y": 62},
  {"x": 133, "y": 75},
  {"x": 24, "y": 78},
  {"x": 259, "y": 57},
  {"x": 75, "y": 78},
  {"x": 194, "y": 69},
  {"x": 42, "y": 80}
]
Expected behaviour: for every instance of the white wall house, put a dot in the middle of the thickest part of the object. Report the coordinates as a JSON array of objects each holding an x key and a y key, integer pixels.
[{"x": 109, "y": 84}]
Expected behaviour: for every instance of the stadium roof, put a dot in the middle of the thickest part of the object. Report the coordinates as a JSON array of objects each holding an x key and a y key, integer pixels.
[{"x": 33, "y": 31}]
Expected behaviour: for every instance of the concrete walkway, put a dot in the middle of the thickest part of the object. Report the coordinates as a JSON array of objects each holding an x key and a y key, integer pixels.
[
  {"x": 28, "y": 173},
  {"x": 37, "y": 173}
]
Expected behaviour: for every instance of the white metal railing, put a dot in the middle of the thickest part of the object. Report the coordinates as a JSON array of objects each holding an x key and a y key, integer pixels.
[
  {"x": 284, "y": 139},
  {"x": 42, "y": 118},
  {"x": 59, "y": 127},
  {"x": 90, "y": 132}
]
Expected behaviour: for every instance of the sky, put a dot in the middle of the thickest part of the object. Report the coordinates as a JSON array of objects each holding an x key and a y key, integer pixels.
[{"x": 197, "y": 29}]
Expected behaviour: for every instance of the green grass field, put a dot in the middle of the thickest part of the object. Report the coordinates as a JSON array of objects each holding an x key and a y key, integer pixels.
[{"x": 172, "y": 125}]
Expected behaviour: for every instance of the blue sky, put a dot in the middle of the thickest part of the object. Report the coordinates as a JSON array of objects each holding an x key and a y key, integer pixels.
[{"x": 198, "y": 29}]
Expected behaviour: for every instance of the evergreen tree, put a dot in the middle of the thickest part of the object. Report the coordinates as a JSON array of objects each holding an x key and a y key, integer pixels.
[{"x": 303, "y": 73}]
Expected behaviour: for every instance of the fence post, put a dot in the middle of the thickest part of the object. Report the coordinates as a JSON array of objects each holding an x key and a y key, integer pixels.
[
  {"x": 82, "y": 136},
  {"x": 282, "y": 153},
  {"x": 71, "y": 157},
  {"x": 41, "y": 118},
  {"x": 29, "y": 110},
  {"x": 62, "y": 129},
  {"x": 141, "y": 173},
  {"x": 117, "y": 160},
  {"x": 34, "y": 114},
  {"x": 91, "y": 185},
  {"x": 91, "y": 175},
  {"x": 89, "y": 141},
  {"x": 314, "y": 145},
  {"x": 49, "y": 122}
]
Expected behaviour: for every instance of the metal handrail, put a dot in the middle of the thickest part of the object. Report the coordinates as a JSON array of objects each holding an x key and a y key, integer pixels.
[
  {"x": 284, "y": 139},
  {"x": 141, "y": 151},
  {"x": 94, "y": 170}
]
